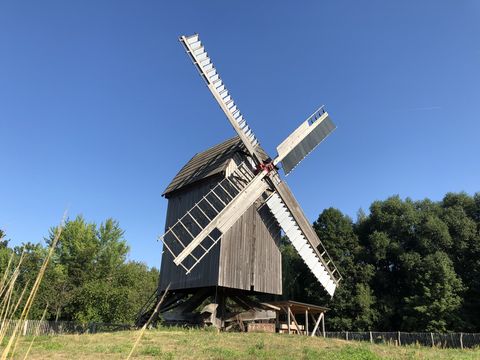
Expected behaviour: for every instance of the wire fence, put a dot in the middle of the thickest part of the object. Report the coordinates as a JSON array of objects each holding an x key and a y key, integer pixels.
[
  {"x": 442, "y": 340},
  {"x": 43, "y": 327}
]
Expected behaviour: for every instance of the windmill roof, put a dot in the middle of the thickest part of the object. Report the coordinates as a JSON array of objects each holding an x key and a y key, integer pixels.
[{"x": 207, "y": 163}]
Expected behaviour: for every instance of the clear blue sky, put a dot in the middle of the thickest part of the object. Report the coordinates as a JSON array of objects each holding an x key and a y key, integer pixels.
[{"x": 100, "y": 106}]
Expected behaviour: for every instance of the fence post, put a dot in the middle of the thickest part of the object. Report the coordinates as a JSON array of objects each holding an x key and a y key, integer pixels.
[
  {"x": 461, "y": 341},
  {"x": 431, "y": 336},
  {"x": 25, "y": 327},
  {"x": 371, "y": 337},
  {"x": 346, "y": 335},
  {"x": 399, "y": 341}
]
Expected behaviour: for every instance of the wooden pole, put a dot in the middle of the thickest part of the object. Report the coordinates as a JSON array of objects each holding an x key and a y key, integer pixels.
[
  {"x": 306, "y": 322},
  {"x": 346, "y": 335},
  {"x": 288, "y": 319},
  {"x": 144, "y": 327},
  {"x": 371, "y": 337},
  {"x": 323, "y": 324},
  {"x": 431, "y": 336},
  {"x": 221, "y": 307},
  {"x": 461, "y": 341},
  {"x": 399, "y": 341},
  {"x": 314, "y": 321},
  {"x": 277, "y": 321}
]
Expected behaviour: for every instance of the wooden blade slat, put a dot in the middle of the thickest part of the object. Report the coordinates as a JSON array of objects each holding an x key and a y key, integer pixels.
[{"x": 215, "y": 84}]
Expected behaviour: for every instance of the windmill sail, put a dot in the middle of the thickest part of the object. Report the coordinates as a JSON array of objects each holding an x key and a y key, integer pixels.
[
  {"x": 304, "y": 139},
  {"x": 192, "y": 237},
  {"x": 291, "y": 219},
  {"x": 207, "y": 70}
]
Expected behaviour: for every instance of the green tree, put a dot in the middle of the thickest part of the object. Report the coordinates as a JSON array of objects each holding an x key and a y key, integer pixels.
[
  {"x": 434, "y": 299},
  {"x": 461, "y": 214},
  {"x": 353, "y": 305},
  {"x": 90, "y": 275}
]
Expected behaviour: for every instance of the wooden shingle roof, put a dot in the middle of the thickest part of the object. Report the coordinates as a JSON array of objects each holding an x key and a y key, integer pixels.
[{"x": 207, "y": 163}]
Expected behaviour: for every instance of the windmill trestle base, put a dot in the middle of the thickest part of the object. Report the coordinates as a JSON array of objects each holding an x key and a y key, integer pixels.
[{"x": 223, "y": 308}]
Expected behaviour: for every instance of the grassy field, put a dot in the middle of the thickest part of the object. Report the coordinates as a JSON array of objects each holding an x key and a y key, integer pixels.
[{"x": 200, "y": 344}]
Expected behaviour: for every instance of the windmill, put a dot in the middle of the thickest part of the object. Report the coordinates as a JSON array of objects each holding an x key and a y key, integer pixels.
[{"x": 227, "y": 207}]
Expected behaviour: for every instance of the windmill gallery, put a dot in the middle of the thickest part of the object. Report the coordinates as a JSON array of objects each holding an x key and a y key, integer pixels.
[{"x": 227, "y": 208}]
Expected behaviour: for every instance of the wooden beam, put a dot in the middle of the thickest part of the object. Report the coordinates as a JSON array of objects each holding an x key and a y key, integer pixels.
[
  {"x": 294, "y": 320},
  {"x": 320, "y": 317},
  {"x": 240, "y": 302},
  {"x": 277, "y": 321},
  {"x": 306, "y": 322},
  {"x": 313, "y": 319},
  {"x": 288, "y": 320},
  {"x": 323, "y": 324}
]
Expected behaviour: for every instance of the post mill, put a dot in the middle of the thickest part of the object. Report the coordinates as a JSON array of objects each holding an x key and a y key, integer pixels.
[{"x": 227, "y": 208}]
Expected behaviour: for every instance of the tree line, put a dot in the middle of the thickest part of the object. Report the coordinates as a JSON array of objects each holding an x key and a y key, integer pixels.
[
  {"x": 89, "y": 278},
  {"x": 406, "y": 265}
]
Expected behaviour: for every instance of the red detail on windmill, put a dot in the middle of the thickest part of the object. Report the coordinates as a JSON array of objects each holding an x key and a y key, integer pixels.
[{"x": 267, "y": 166}]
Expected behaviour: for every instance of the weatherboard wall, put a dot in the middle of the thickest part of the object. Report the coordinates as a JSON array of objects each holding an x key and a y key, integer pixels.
[
  {"x": 206, "y": 272},
  {"x": 247, "y": 257}
]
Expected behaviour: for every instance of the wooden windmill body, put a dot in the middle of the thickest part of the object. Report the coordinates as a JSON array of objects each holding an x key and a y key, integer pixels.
[{"x": 247, "y": 256}]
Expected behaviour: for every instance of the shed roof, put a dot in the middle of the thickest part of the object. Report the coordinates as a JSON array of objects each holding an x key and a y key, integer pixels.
[
  {"x": 207, "y": 163},
  {"x": 298, "y": 307}
]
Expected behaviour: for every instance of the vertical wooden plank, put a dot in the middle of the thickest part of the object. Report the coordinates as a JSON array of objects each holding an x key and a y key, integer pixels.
[
  {"x": 306, "y": 322},
  {"x": 235, "y": 259},
  {"x": 268, "y": 261}
]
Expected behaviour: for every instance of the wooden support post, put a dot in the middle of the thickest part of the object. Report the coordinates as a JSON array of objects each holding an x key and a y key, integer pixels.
[
  {"x": 371, "y": 337},
  {"x": 399, "y": 341},
  {"x": 431, "y": 336},
  {"x": 346, "y": 335},
  {"x": 317, "y": 323},
  {"x": 306, "y": 322},
  {"x": 277, "y": 321},
  {"x": 461, "y": 341},
  {"x": 314, "y": 321},
  {"x": 323, "y": 324},
  {"x": 295, "y": 321},
  {"x": 288, "y": 320},
  {"x": 221, "y": 307}
]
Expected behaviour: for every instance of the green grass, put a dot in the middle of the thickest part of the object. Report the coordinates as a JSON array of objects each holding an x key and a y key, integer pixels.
[{"x": 201, "y": 344}]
